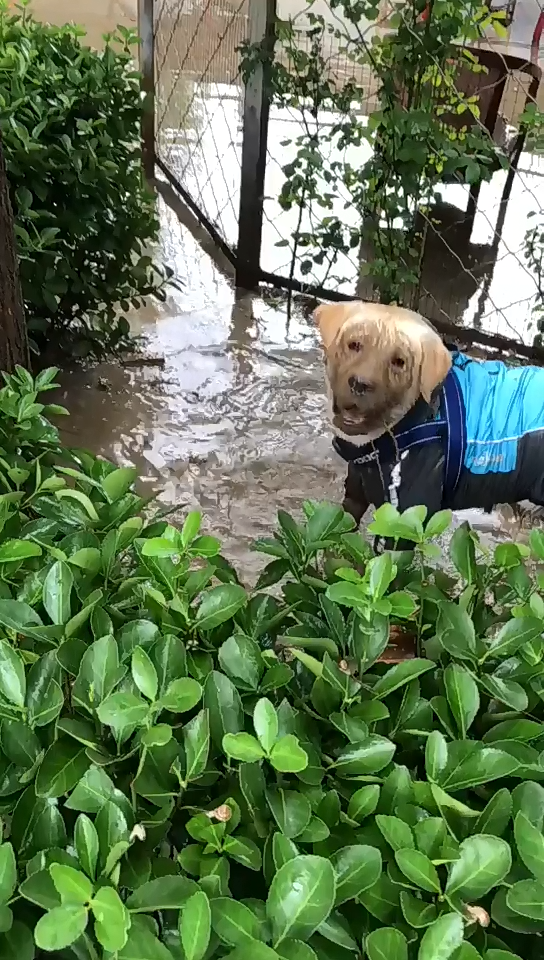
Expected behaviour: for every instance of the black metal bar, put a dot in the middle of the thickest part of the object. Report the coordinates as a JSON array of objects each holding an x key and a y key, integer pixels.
[
  {"x": 199, "y": 214},
  {"x": 452, "y": 330},
  {"x": 257, "y": 96},
  {"x": 147, "y": 68}
]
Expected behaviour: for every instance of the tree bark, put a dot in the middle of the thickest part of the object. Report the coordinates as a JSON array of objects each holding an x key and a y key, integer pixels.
[{"x": 13, "y": 335}]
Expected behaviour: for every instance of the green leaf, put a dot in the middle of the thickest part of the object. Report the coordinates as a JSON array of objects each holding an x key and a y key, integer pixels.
[
  {"x": 181, "y": 695},
  {"x": 436, "y": 755},
  {"x": 163, "y": 893},
  {"x": 170, "y": 658},
  {"x": 72, "y": 885},
  {"x": 195, "y": 926},
  {"x": 241, "y": 659},
  {"x": 283, "y": 849},
  {"x": 243, "y": 850},
  {"x": 99, "y": 673},
  {"x": 8, "y": 872},
  {"x": 242, "y": 746},
  {"x": 144, "y": 673},
  {"x": 86, "y": 843},
  {"x": 12, "y": 675},
  {"x": 368, "y": 756},
  {"x": 224, "y": 706},
  {"x": 483, "y": 863},
  {"x": 123, "y": 710},
  {"x": 17, "y": 943},
  {"x": 287, "y": 755},
  {"x": 419, "y": 870},
  {"x": 496, "y": 815},
  {"x": 295, "y": 950},
  {"x": 62, "y": 767},
  {"x": 44, "y": 698},
  {"x": 196, "y": 743},
  {"x": 513, "y": 635},
  {"x": 20, "y": 743},
  {"x": 111, "y": 919},
  {"x": 265, "y": 722},
  {"x": 88, "y": 558},
  {"x": 380, "y": 574},
  {"x": 300, "y": 898},
  {"x": 13, "y": 551},
  {"x": 397, "y": 833},
  {"x": 136, "y": 633},
  {"x": 386, "y": 944},
  {"x": 462, "y": 695},
  {"x": 382, "y": 900},
  {"x": 480, "y": 766},
  {"x": 291, "y": 811},
  {"x": 219, "y": 605},
  {"x": 400, "y": 674},
  {"x": 363, "y": 802},
  {"x": 522, "y": 730},
  {"x": 157, "y": 736},
  {"x": 455, "y": 631},
  {"x": 530, "y": 844},
  {"x": 57, "y": 592},
  {"x": 142, "y": 944},
  {"x": 118, "y": 482},
  {"x": 527, "y": 899},
  {"x": 507, "y": 691},
  {"x": 60, "y": 927},
  {"x": 441, "y": 939},
  {"x": 40, "y": 889},
  {"x": 356, "y": 868},
  {"x": 233, "y": 922}
]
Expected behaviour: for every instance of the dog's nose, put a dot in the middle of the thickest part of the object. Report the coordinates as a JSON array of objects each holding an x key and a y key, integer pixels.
[{"x": 359, "y": 386}]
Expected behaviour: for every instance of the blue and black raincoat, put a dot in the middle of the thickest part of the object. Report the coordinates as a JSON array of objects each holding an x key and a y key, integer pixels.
[{"x": 478, "y": 443}]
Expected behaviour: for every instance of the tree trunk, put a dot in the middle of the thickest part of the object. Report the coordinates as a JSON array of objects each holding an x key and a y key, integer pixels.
[{"x": 13, "y": 336}]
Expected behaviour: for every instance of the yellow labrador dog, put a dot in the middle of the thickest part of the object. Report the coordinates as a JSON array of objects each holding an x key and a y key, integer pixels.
[{"x": 418, "y": 423}]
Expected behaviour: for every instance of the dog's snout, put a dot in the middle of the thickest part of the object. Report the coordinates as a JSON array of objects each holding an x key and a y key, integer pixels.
[{"x": 359, "y": 386}]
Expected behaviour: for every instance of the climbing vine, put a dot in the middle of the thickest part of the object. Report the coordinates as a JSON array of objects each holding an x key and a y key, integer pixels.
[{"x": 415, "y": 129}]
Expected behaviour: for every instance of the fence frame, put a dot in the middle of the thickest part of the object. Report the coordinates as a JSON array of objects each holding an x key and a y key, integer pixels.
[
  {"x": 245, "y": 258},
  {"x": 256, "y": 112}
]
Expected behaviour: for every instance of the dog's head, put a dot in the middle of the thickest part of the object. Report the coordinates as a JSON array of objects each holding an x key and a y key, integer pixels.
[{"x": 380, "y": 360}]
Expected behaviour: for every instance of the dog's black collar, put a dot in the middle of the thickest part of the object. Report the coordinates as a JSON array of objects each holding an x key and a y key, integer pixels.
[{"x": 443, "y": 419}]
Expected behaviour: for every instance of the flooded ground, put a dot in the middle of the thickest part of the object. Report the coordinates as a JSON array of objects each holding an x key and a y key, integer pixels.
[{"x": 235, "y": 424}]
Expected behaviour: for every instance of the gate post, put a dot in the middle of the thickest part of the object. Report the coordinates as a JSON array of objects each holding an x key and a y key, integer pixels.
[
  {"x": 257, "y": 95},
  {"x": 147, "y": 68}
]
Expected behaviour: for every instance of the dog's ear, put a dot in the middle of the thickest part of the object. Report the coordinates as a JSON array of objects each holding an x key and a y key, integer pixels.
[
  {"x": 435, "y": 364},
  {"x": 331, "y": 317}
]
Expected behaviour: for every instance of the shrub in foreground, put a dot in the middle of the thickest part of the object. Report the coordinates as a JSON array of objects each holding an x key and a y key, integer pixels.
[
  {"x": 70, "y": 124},
  {"x": 190, "y": 770}
]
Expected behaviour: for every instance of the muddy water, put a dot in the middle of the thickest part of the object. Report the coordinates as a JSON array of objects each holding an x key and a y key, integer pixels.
[{"x": 234, "y": 424}]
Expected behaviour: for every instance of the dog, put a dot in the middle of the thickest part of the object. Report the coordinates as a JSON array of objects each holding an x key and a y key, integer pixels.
[{"x": 419, "y": 422}]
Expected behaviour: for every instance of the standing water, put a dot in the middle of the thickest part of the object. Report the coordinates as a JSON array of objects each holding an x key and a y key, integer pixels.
[{"x": 235, "y": 423}]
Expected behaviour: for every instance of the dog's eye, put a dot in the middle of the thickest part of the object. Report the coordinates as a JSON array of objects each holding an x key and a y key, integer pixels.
[
  {"x": 354, "y": 345},
  {"x": 398, "y": 362}
]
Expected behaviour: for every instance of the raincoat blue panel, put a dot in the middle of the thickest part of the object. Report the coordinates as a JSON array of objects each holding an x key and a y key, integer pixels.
[{"x": 502, "y": 404}]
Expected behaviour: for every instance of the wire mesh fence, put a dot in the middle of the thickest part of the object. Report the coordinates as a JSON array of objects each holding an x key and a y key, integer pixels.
[
  {"x": 198, "y": 101},
  {"x": 474, "y": 271}
]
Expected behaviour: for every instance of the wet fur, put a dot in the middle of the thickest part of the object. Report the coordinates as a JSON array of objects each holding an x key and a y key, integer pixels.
[{"x": 395, "y": 352}]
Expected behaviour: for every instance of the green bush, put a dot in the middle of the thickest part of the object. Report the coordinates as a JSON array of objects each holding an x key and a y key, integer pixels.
[
  {"x": 70, "y": 125},
  {"x": 190, "y": 770}
]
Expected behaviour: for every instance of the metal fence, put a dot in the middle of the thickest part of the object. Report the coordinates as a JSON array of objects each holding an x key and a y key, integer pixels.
[{"x": 224, "y": 148}]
